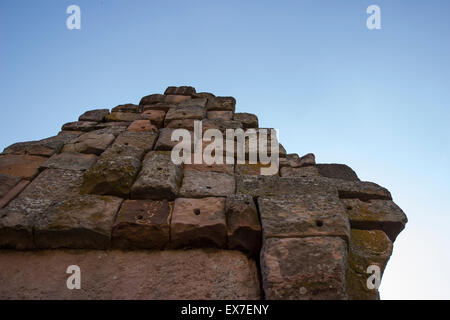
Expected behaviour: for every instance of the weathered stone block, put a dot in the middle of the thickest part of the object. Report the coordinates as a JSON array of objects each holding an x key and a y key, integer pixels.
[
  {"x": 118, "y": 126},
  {"x": 159, "y": 178},
  {"x": 94, "y": 142},
  {"x": 127, "y": 108},
  {"x": 70, "y": 161},
  {"x": 22, "y": 166},
  {"x": 199, "y": 223},
  {"x": 361, "y": 190},
  {"x": 183, "y": 90},
  {"x": 222, "y": 168},
  {"x": 142, "y": 126},
  {"x": 309, "y": 171},
  {"x": 187, "y": 124},
  {"x": 175, "y": 99},
  {"x": 223, "y": 115},
  {"x": 248, "y": 120},
  {"x": 83, "y": 126},
  {"x": 294, "y": 161},
  {"x": 367, "y": 248},
  {"x": 221, "y": 104},
  {"x": 142, "y": 224},
  {"x": 376, "y": 214},
  {"x": 45, "y": 147},
  {"x": 155, "y": 116},
  {"x": 151, "y": 99},
  {"x": 123, "y": 116},
  {"x": 188, "y": 112},
  {"x": 141, "y": 140},
  {"x": 197, "y": 184},
  {"x": 220, "y": 124},
  {"x": 243, "y": 226},
  {"x": 80, "y": 222},
  {"x": 303, "y": 215},
  {"x": 304, "y": 269},
  {"x": 337, "y": 171},
  {"x": 270, "y": 186},
  {"x": 117, "y": 275},
  {"x": 17, "y": 218},
  {"x": 97, "y": 115},
  {"x": 114, "y": 172}
]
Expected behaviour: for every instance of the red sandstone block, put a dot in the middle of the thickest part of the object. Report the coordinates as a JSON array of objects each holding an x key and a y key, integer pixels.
[
  {"x": 199, "y": 223},
  {"x": 142, "y": 224},
  {"x": 155, "y": 116},
  {"x": 22, "y": 166},
  {"x": 142, "y": 126}
]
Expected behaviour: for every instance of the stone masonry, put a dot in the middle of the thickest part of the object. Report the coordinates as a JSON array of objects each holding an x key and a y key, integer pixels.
[{"x": 104, "y": 194}]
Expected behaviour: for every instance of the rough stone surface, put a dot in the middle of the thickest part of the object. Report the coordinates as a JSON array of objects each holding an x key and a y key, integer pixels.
[
  {"x": 275, "y": 186},
  {"x": 70, "y": 161},
  {"x": 304, "y": 269},
  {"x": 114, "y": 172},
  {"x": 303, "y": 215},
  {"x": 363, "y": 190},
  {"x": 151, "y": 99},
  {"x": 17, "y": 218},
  {"x": 140, "y": 140},
  {"x": 80, "y": 222},
  {"x": 376, "y": 215},
  {"x": 248, "y": 120},
  {"x": 83, "y": 126},
  {"x": 94, "y": 142},
  {"x": 243, "y": 226},
  {"x": 221, "y": 104},
  {"x": 250, "y": 169},
  {"x": 97, "y": 115},
  {"x": 367, "y": 248},
  {"x": 123, "y": 116},
  {"x": 155, "y": 116},
  {"x": 118, "y": 275},
  {"x": 22, "y": 166},
  {"x": 183, "y": 90},
  {"x": 187, "y": 112},
  {"x": 198, "y": 184},
  {"x": 337, "y": 171},
  {"x": 127, "y": 108},
  {"x": 142, "y": 224},
  {"x": 223, "y": 115},
  {"x": 309, "y": 171},
  {"x": 159, "y": 178},
  {"x": 44, "y": 147},
  {"x": 142, "y": 126},
  {"x": 199, "y": 222}
]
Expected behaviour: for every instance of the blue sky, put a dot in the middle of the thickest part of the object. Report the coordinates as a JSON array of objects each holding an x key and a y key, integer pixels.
[{"x": 375, "y": 100}]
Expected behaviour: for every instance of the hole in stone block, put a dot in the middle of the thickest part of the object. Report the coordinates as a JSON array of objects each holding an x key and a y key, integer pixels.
[
  {"x": 208, "y": 187},
  {"x": 349, "y": 208},
  {"x": 319, "y": 223},
  {"x": 140, "y": 217},
  {"x": 197, "y": 212}
]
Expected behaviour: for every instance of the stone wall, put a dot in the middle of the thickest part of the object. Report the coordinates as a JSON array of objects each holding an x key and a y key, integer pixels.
[{"x": 105, "y": 195}]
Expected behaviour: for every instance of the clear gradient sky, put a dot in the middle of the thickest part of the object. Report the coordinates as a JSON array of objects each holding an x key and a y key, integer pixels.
[{"x": 375, "y": 100}]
